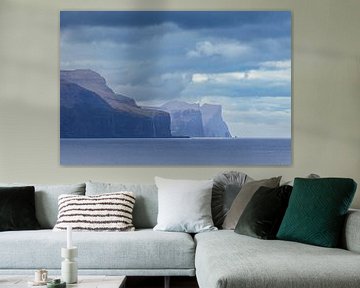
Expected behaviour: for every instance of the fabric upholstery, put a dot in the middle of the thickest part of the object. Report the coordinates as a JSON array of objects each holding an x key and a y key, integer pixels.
[
  {"x": 243, "y": 198},
  {"x": 350, "y": 235},
  {"x": 225, "y": 259},
  {"x": 225, "y": 189},
  {"x": 316, "y": 211},
  {"x": 146, "y": 204},
  {"x": 263, "y": 214},
  {"x": 143, "y": 249},
  {"x": 108, "y": 272},
  {"x": 105, "y": 212},
  {"x": 46, "y": 200},
  {"x": 184, "y": 205},
  {"x": 17, "y": 208}
]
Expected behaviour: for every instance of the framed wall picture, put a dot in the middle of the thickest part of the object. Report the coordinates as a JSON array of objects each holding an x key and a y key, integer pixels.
[{"x": 175, "y": 88}]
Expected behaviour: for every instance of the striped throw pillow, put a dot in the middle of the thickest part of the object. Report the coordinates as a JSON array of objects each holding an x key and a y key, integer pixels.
[{"x": 105, "y": 212}]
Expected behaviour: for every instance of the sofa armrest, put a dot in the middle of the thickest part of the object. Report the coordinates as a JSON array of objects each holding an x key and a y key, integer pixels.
[{"x": 351, "y": 233}]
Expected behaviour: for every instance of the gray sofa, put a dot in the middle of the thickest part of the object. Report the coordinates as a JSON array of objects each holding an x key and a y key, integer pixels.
[
  {"x": 226, "y": 259},
  {"x": 218, "y": 259}
]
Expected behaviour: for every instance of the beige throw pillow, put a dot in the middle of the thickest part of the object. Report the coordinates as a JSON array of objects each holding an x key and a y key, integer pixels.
[{"x": 243, "y": 198}]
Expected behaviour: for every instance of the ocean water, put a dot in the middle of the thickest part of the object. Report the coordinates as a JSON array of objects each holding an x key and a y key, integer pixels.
[{"x": 175, "y": 151}]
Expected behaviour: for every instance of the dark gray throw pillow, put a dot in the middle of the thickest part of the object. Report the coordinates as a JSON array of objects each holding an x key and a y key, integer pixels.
[
  {"x": 243, "y": 198},
  {"x": 17, "y": 208},
  {"x": 225, "y": 189},
  {"x": 263, "y": 214}
]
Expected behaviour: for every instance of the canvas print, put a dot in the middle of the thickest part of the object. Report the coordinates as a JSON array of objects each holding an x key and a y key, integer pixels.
[{"x": 175, "y": 88}]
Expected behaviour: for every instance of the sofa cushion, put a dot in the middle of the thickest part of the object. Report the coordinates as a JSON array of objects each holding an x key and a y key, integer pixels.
[
  {"x": 184, "y": 205},
  {"x": 105, "y": 212},
  {"x": 17, "y": 208},
  {"x": 46, "y": 200},
  {"x": 317, "y": 209},
  {"x": 146, "y": 205},
  {"x": 143, "y": 249},
  {"x": 263, "y": 215},
  {"x": 225, "y": 259},
  {"x": 350, "y": 239},
  {"x": 243, "y": 198},
  {"x": 225, "y": 189}
]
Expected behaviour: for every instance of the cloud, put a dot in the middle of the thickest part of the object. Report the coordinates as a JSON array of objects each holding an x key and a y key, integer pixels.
[
  {"x": 158, "y": 89},
  {"x": 117, "y": 35},
  {"x": 139, "y": 56},
  {"x": 285, "y": 64},
  {"x": 260, "y": 117},
  {"x": 187, "y": 20},
  {"x": 226, "y": 49},
  {"x": 222, "y": 78},
  {"x": 269, "y": 75},
  {"x": 283, "y": 74},
  {"x": 261, "y": 130}
]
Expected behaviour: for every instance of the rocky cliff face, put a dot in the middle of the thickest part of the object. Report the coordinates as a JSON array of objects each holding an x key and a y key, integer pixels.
[
  {"x": 83, "y": 113},
  {"x": 185, "y": 119},
  {"x": 89, "y": 108},
  {"x": 214, "y": 125},
  {"x": 196, "y": 121}
]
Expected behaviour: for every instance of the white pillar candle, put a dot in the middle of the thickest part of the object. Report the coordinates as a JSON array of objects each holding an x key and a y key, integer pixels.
[{"x": 69, "y": 237}]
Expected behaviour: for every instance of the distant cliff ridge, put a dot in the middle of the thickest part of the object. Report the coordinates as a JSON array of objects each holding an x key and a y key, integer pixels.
[
  {"x": 195, "y": 120},
  {"x": 186, "y": 119},
  {"x": 90, "y": 109}
]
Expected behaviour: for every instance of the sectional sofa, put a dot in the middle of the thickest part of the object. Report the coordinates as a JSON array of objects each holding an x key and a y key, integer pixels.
[{"x": 219, "y": 259}]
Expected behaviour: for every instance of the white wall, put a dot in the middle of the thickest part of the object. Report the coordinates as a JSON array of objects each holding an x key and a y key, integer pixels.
[{"x": 326, "y": 90}]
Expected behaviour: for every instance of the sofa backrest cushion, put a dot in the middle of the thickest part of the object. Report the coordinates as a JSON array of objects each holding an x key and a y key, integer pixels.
[
  {"x": 46, "y": 200},
  {"x": 146, "y": 204},
  {"x": 350, "y": 238}
]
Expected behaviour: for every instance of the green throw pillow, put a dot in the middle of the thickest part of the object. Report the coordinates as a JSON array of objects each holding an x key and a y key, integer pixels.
[{"x": 316, "y": 211}]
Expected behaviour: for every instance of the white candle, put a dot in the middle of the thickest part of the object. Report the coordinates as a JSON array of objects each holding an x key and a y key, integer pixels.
[{"x": 69, "y": 237}]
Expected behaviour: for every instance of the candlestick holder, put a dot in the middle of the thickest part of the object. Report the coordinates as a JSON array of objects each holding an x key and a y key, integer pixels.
[{"x": 69, "y": 271}]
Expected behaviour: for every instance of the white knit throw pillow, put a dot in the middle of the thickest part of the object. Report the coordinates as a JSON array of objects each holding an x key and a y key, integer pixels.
[{"x": 105, "y": 212}]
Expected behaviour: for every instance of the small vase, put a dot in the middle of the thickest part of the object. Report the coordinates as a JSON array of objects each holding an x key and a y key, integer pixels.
[{"x": 69, "y": 271}]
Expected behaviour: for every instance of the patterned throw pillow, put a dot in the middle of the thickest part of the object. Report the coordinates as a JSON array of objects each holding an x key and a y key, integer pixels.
[
  {"x": 105, "y": 212},
  {"x": 316, "y": 211}
]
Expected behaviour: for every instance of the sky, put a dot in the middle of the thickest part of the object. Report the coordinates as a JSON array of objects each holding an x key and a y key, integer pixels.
[{"x": 239, "y": 59}]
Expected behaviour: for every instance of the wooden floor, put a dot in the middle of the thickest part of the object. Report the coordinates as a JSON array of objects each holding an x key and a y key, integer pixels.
[{"x": 158, "y": 282}]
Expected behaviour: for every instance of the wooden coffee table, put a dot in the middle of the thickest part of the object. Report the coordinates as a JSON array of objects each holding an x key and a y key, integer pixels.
[{"x": 83, "y": 282}]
